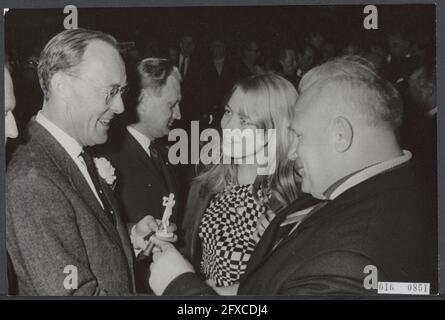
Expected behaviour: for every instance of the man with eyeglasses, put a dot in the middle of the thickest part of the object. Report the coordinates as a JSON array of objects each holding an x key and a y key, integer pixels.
[{"x": 64, "y": 232}]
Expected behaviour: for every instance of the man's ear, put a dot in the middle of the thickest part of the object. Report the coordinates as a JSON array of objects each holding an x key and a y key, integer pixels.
[
  {"x": 59, "y": 85},
  {"x": 143, "y": 105},
  {"x": 343, "y": 134}
]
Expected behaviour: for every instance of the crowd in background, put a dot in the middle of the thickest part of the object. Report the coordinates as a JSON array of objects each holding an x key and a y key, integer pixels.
[{"x": 211, "y": 69}]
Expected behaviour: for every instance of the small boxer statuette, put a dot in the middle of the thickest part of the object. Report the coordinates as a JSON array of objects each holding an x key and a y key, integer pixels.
[{"x": 168, "y": 203}]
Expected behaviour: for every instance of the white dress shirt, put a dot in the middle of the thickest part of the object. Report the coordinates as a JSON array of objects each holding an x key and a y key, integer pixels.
[
  {"x": 71, "y": 146},
  {"x": 142, "y": 139}
]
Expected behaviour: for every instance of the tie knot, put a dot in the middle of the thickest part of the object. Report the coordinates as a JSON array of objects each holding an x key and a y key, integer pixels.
[
  {"x": 153, "y": 150},
  {"x": 86, "y": 156}
]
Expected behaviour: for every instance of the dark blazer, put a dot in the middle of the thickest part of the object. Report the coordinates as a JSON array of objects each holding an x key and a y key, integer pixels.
[
  {"x": 421, "y": 139},
  {"x": 389, "y": 221},
  {"x": 53, "y": 220},
  {"x": 142, "y": 180}
]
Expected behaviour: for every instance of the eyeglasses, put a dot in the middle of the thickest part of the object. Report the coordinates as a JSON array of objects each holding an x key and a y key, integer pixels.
[{"x": 109, "y": 92}]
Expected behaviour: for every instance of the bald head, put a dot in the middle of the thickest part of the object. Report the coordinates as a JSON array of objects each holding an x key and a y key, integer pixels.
[
  {"x": 352, "y": 86},
  {"x": 346, "y": 119}
]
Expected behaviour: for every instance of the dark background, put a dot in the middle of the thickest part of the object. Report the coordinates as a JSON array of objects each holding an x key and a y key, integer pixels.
[{"x": 28, "y": 30}]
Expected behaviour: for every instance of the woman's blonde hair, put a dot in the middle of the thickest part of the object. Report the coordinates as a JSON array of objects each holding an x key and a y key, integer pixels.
[{"x": 269, "y": 102}]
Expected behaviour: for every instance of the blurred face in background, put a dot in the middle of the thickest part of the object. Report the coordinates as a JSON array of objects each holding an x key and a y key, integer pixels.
[
  {"x": 10, "y": 125},
  {"x": 352, "y": 48},
  {"x": 306, "y": 59},
  {"x": 421, "y": 92},
  {"x": 173, "y": 54},
  {"x": 218, "y": 50},
  {"x": 251, "y": 53},
  {"x": 397, "y": 46},
  {"x": 328, "y": 51},
  {"x": 317, "y": 40},
  {"x": 289, "y": 62},
  {"x": 187, "y": 46}
]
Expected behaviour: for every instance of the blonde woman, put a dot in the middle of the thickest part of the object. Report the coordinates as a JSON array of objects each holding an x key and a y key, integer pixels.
[{"x": 226, "y": 202}]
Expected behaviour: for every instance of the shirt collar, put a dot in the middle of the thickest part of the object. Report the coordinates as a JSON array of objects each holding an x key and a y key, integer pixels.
[
  {"x": 358, "y": 177},
  {"x": 71, "y": 146},
  {"x": 143, "y": 140}
]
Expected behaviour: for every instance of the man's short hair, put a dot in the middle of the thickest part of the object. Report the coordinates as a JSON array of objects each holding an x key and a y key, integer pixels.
[
  {"x": 65, "y": 52},
  {"x": 153, "y": 74},
  {"x": 376, "y": 99}
]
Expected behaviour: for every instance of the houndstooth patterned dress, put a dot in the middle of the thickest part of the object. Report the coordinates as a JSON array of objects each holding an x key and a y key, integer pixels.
[{"x": 226, "y": 231}]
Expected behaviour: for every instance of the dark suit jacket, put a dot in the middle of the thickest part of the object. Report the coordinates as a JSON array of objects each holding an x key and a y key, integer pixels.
[
  {"x": 388, "y": 221},
  {"x": 53, "y": 220},
  {"x": 142, "y": 181},
  {"x": 420, "y": 137}
]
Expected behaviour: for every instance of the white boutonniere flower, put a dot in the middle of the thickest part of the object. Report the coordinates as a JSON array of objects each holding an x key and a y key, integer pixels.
[{"x": 105, "y": 170}]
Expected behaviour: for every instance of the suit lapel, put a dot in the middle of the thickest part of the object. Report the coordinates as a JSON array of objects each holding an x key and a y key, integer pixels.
[
  {"x": 108, "y": 193},
  {"x": 168, "y": 174},
  {"x": 316, "y": 209},
  {"x": 64, "y": 162},
  {"x": 266, "y": 245},
  {"x": 142, "y": 156},
  {"x": 120, "y": 226}
]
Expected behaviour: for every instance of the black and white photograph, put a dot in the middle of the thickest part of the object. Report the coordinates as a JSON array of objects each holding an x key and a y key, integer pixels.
[{"x": 221, "y": 150}]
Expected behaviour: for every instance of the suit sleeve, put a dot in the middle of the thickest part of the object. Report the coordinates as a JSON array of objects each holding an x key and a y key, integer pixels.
[
  {"x": 188, "y": 284},
  {"x": 332, "y": 273},
  {"x": 44, "y": 237}
]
